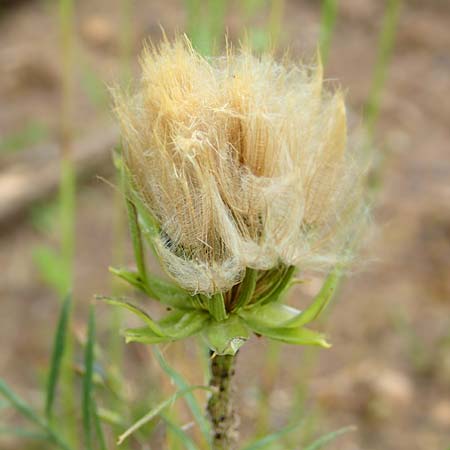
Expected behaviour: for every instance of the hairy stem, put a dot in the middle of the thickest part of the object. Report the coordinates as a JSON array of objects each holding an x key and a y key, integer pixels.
[{"x": 222, "y": 415}]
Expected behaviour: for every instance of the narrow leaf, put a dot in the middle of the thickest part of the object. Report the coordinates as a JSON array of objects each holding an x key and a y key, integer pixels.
[
  {"x": 98, "y": 427},
  {"x": 180, "y": 433},
  {"x": 273, "y": 437},
  {"x": 26, "y": 411},
  {"x": 23, "y": 433},
  {"x": 156, "y": 410},
  {"x": 50, "y": 264},
  {"x": 327, "y": 21},
  {"x": 87, "y": 381},
  {"x": 57, "y": 355},
  {"x": 323, "y": 440},
  {"x": 181, "y": 383}
]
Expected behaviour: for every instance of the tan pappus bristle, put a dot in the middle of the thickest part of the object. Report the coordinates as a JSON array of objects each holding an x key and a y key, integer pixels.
[{"x": 243, "y": 162}]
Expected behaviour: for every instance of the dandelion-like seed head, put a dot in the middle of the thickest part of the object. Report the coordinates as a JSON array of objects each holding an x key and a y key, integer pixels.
[{"x": 241, "y": 161}]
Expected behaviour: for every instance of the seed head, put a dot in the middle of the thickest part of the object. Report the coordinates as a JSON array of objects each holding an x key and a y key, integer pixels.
[{"x": 242, "y": 161}]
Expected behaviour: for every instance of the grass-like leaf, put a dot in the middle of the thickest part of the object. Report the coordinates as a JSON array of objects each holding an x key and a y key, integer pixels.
[
  {"x": 49, "y": 264},
  {"x": 59, "y": 345},
  {"x": 156, "y": 410},
  {"x": 273, "y": 437},
  {"x": 87, "y": 410},
  {"x": 24, "y": 433},
  {"x": 327, "y": 21},
  {"x": 98, "y": 426},
  {"x": 385, "y": 48},
  {"x": 323, "y": 440},
  {"x": 180, "y": 433},
  {"x": 31, "y": 134},
  {"x": 26, "y": 411},
  {"x": 181, "y": 383}
]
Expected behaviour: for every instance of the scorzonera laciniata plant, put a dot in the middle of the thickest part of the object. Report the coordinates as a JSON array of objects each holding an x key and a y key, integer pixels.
[{"x": 238, "y": 175}]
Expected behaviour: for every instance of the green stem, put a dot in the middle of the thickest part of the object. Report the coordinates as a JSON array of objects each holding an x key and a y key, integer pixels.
[{"x": 222, "y": 415}]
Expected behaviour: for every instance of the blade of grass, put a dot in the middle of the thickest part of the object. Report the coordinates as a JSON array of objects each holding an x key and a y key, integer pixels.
[
  {"x": 157, "y": 409},
  {"x": 30, "y": 134},
  {"x": 323, "y": 440},
  {"x": 181, "y": 383},
  {"x": 275, "y": 21},
  {"x": 273, "y": 437},
  {"x": 98, "y": 427},
  {"x": 180, "y": 433},
  {"x": 385, "y": 48},
  {"x": 87, "y": 411},
  {"x": 26, "y": 411},
  {"x": 23, "y": 433},
  {"x": 57, "y": 355},
  {"x": 327, "y": 22}
]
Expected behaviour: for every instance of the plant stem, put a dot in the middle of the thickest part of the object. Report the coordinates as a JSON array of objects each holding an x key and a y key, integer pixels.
[{"x": 222, "y": 415}]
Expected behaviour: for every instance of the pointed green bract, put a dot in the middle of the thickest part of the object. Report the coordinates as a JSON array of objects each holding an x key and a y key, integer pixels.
[
  {"x": 319, "y": 303},
  {"x": 297, "y": 336},
  {"x": 136, "y": 310},
  {"x": 226, "y": 337},
  {"x": 216, "y": 306},
  {"x": 277, "y": 289},
  {"x": 156, "y": 288},
  {"x": 178, "y": 325},
  {"x": 247, "y": 288},
  {"x": 270, "y": 315}
]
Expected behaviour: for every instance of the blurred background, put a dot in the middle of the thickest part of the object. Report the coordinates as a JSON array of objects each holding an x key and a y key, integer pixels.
[{"x": 62, "y": 222}]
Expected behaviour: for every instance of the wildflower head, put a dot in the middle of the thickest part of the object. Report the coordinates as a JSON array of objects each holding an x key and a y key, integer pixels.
[{"x": 241, "y": 162}]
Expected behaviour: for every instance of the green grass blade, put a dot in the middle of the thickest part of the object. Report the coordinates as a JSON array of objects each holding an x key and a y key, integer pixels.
[
  {"x": 20, "y": 405},
  {"x": 327, "y": 22},
  {"x": 98, "y": 427},
  {"x": 26, "y": 411},
  {"x": 386, "y": 46},
  {"x": 23, "y": 433},
  {"x": 180, "y": 434},
  {"x": 323, "y": 440},
  {"x": 156, "y": 410},
  {"x": 57, "y": 355},
  {"x": 49, "y": 263},
  {"x": 181, "y": 383},
  {"x": 88, "y": 382},
  {"x": 29, "y": 135},
  {"x": 273, "y": 437}
]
